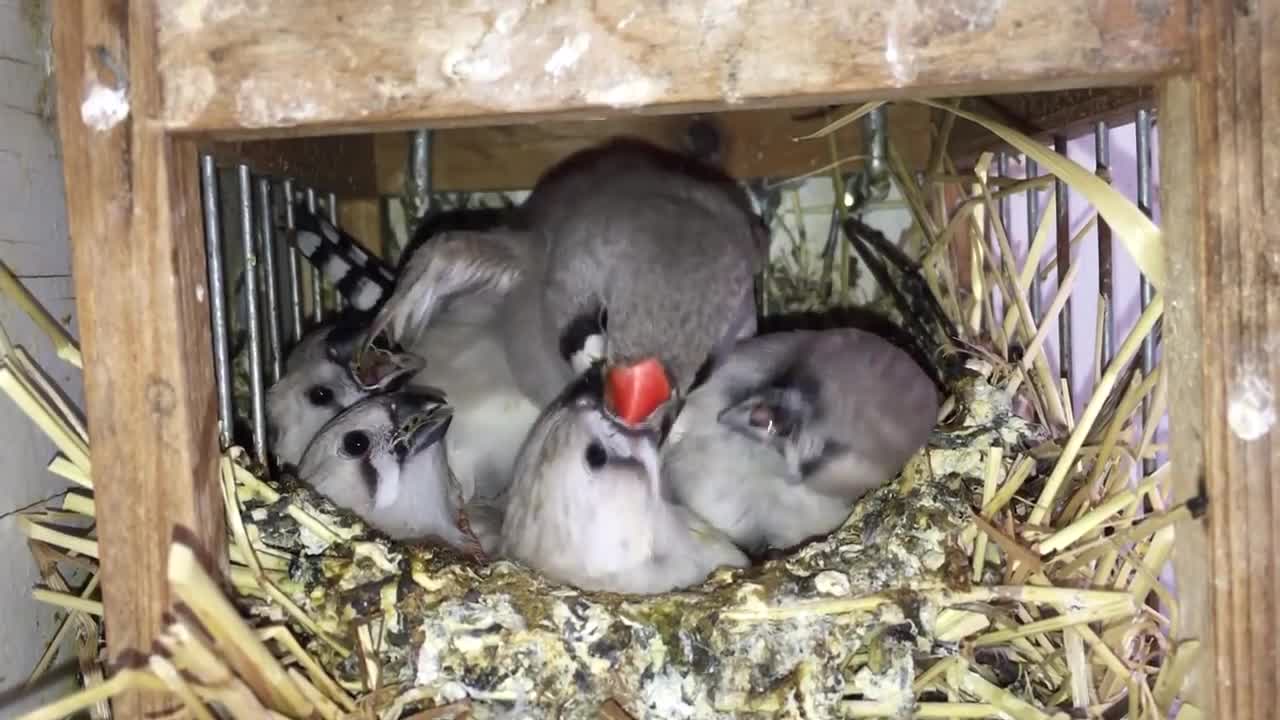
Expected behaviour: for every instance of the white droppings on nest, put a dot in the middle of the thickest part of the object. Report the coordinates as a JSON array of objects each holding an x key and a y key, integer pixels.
[
  {"x": 830, "y": 582},
  {"x": 103, "y": 107},
  {"x": 628, "y": 93},
  {"x": 312, "y": 543},
  {"x": 568, "y": 54},
  {"x": 1251, "y": 407},
  {"x": 665, "y": 696}
]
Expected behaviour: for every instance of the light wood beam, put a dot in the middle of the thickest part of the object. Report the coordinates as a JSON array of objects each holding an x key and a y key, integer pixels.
[
  {"x": 138, "y": 260},
  {"x": 347, "y": 65}
]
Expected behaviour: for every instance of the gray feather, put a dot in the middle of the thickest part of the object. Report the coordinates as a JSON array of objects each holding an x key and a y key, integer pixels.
[{"x": 792, "y": 428}]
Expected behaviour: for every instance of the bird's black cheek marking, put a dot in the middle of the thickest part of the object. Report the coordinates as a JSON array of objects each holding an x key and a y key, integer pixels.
[
  {"x": 668, "y": 421},
  {"x": 369, "y": 475},
  {"x": 591, "y": 321},
  {"x": 704, "y": 372}
]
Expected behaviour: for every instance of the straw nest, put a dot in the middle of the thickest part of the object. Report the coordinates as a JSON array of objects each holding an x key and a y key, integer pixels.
[{"x": 1009, "y": 571}]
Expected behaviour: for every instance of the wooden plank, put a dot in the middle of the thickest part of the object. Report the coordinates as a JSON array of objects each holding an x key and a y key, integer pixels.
[
  {"x": 345, "y": 64},
  {"x": 754, "y": 143},
  {"x": 1229, "y": 116},
  {"x": 137, "y": 257},
  {"x": 1044, "y": 114},
  {"x": 1183, "y": 344},
  {"x": 362, "y": 217},
  {"x": 341, "y": 164}
]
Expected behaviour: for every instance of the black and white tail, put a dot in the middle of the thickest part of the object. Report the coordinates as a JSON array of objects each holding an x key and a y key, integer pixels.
[{"x": 358, "y": 275}]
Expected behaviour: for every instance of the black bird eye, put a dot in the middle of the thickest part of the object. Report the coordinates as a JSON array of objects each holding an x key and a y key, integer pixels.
[
  {"x": 319, "y": 395},
  {"x": 355, "y": 443},
  {"x": 596, "y": 456}
]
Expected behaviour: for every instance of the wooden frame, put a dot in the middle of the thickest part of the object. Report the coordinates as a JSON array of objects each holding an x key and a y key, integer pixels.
[{"x": 141, "y": 81}]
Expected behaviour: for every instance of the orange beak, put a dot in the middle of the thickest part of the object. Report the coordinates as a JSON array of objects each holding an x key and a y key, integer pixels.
[{"x": 634, "y": 392}]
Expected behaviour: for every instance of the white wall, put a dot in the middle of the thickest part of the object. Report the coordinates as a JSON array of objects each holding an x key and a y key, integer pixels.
[{"x": 34, "y": 244}]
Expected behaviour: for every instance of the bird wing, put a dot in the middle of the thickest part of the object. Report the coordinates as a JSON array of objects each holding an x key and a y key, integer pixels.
[{"x": 457, "y": 264}]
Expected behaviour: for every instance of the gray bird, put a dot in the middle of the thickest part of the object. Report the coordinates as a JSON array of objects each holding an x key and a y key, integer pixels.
[
  {"x": 624, "y": 240},
  {"x": 792, "y": 428},
  {"x": 449, "y": 319},
  {"x": 318, "y": 383},
  {"x": 383, "y": 458},
  {"x": 586, "y": 507}
]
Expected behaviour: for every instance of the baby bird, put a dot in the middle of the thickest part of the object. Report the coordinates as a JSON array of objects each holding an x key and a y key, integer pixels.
[
  {"x": 792, "y": 428},
  {"x": 383, "y": 458},
  {"x": 586, "y": 508},
  {"x": 318, "y": 383}
]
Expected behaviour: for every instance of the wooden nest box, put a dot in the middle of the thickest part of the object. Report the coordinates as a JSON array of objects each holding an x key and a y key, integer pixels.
[{"x": 300, "y": 88}]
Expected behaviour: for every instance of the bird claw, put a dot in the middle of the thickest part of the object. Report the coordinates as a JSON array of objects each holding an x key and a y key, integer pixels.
[{"x": 471, "y": 545}]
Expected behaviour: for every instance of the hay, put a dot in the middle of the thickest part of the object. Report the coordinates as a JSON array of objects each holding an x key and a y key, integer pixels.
[{"x": 1007, "y": 572}]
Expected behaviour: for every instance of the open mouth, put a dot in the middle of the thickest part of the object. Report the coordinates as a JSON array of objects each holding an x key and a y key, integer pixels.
[{"x": 379, "y": 360}]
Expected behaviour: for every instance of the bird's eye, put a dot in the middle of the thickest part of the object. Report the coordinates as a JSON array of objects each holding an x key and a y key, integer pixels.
[
  {"x": 596, "y": 456},
  {"x": 319, "y": 395},
  {"x": 761, "y": 417},
  {"x": 355, "y": 443}
]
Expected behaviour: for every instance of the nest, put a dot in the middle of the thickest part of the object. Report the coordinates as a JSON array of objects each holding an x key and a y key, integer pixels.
[{"x": 1011, "y": 569}]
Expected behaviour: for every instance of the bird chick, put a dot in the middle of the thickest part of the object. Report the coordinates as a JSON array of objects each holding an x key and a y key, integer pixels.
[
  {"x": 585, "y": 506},
  {"x": 318, "y": 383},
  {"x": 383, "y": 459},
  {"x": 792, "y": 428}
]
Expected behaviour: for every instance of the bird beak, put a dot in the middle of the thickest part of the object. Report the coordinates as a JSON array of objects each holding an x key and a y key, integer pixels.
[
  {"x": 633, "y": 392},
  {"x": 424, "y": 429},
  {"x": 379, "y": 368}
]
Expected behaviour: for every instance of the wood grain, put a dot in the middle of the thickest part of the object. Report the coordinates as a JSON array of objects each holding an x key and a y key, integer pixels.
[
  {"x": 1045, "y": 114},
  {"x": 362, "y": 217},
  {"x": 754, "y": 143},
  {"x": 1227, "y": 118},
  {"x": 262, "y": 67},
  {"x": 138, "y": 261},
  {"x": 340, "y": 164},
  {"x": 1184, "y": 352}
]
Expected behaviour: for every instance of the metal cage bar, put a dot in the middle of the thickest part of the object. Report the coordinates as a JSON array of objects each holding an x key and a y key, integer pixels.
[
  {"x": 1106, "y": 273},
  {"x": 257, "y": 389},
  {"x": 1142, "y": 125},
  {"x": 1063, "y": 217},
  {"x": 1033, "y": 222},
  {"x": 317, "y": 291},
  {"x": 266, "y": 230},
  {"x": 217, "y": 294},
  {"x": 295, "y": 266}
]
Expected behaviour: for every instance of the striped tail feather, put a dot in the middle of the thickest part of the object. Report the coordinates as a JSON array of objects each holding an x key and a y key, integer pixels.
[{"x": 358, "y": 275}]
